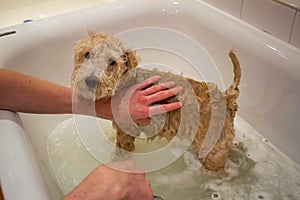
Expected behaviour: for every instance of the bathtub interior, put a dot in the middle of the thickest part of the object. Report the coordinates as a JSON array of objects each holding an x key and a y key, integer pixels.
[{"x": 269, "y": 94}]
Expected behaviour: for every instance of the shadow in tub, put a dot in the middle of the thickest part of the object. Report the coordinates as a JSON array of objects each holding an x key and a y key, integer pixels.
[{"x": 256, "y": 169}]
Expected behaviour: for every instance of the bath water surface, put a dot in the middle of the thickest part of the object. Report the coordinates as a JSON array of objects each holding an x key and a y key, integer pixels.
[{"x": 256, "y": 169}]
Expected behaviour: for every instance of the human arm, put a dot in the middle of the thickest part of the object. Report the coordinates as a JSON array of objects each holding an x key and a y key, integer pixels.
[{"x": 23, "y": 93}]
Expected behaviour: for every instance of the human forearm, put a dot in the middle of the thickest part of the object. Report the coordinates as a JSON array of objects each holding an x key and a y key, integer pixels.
[{"x": 23, "y": 93}]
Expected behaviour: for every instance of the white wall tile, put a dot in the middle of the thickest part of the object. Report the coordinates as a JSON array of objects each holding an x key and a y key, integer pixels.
[
  {"x": 295, "y": 39},
  {"x": 269, "y": 16},
  {"x": 232, "y": 7}
]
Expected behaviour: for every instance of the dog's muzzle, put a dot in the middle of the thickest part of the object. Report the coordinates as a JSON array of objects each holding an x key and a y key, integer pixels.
[{"x": 91, "y": 81}]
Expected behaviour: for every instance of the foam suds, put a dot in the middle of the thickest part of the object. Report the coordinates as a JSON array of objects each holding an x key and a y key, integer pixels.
[{"x": 256, "y": 169}]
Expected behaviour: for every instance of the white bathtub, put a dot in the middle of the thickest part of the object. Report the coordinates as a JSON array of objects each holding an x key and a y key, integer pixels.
[{"x": 269, "y": 99}]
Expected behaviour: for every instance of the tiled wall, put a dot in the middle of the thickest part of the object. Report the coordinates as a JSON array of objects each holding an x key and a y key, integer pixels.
[{"x": 280, "y": 18}]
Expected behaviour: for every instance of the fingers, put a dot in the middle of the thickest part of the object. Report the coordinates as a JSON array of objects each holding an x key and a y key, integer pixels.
[
  {"x": 163, "y": 95},
  {"x": 147, "y": 82},
  {"x": 163, "y": 108},
  {"x": 160, "y": 109},
  {"x": 157, "y": 88}
]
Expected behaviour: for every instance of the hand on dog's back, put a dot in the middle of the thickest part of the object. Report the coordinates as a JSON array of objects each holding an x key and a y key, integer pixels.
[{"x": 133, "y": 104}]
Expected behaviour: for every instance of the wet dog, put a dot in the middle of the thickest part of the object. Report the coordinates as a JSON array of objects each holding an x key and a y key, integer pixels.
[{"x": 103, "y": 65}]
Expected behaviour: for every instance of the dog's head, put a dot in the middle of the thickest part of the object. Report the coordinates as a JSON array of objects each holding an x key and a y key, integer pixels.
[{"x": 99, "y": 63}]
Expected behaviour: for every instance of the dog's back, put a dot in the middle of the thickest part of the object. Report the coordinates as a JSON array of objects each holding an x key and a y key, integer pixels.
[{"x": 206, "y": 118}]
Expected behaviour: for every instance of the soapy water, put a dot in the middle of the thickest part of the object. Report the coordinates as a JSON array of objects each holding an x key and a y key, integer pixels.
[{"x": 256, "y": 169}]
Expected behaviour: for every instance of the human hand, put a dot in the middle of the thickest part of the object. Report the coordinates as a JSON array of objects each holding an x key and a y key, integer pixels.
[
  {"x": 134, "y": 104},
  {"x": 120, "y": 180}
]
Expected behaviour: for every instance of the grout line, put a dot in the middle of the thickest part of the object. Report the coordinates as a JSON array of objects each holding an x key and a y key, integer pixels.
[
  {"x": 293, "y": 26},
  {"x": 241, "y": 9}
]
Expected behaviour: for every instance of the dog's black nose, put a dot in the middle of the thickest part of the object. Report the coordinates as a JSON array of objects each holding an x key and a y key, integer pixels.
[{"x": 91, "y": 81}]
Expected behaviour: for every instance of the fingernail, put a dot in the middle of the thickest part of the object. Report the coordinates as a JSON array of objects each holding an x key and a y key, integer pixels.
[
  {"x": 178, "y": 89},
  {"x": 169, "y": 84},
  {"x": 157, "y": 77}
]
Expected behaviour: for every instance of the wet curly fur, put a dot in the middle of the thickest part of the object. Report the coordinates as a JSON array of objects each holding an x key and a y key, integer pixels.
[{"x": 102, "y": 65}]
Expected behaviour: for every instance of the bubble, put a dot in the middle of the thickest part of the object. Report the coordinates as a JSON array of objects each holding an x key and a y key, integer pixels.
[
  {"x": 261, "y": 197},
  {"x": 215, "y": 195},
  {"x": 266, "y": 141}
]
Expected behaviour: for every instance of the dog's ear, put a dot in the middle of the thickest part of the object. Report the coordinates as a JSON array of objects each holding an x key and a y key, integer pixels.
[{"x": 132, "y": 59}]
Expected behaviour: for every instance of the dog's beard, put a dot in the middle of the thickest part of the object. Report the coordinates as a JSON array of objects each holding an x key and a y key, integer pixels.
[{"x": 81, "y": 89}]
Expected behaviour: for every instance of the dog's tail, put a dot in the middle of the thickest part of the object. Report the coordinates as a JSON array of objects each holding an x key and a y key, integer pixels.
[{"x": 232, "y": 93}]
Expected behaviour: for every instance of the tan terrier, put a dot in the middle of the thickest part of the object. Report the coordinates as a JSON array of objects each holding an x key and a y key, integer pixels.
[{"x": 102, "y": 65}]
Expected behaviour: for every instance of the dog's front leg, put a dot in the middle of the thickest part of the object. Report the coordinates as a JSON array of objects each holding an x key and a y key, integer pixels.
[{"x": 123, "y": 140}]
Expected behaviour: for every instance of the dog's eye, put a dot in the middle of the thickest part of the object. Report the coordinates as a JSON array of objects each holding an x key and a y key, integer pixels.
[
  {"x": 87, "y": 55},
  {"x": 111, "y": 61},
  {"x": 124, "y": 57}
]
